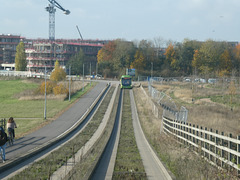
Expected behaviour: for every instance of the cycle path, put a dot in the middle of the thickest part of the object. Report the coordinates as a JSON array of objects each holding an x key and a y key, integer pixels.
[{"x": 55, "y": 128}]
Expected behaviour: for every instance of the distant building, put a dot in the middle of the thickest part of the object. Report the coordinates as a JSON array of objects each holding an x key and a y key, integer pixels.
[
  {"x": 43, "y": 52},
  {"x": 8, "y": 44}
]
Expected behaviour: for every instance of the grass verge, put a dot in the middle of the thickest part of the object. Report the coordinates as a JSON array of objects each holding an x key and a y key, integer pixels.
[
  {"x": 28, "y": 114},
  {"x": 44, "y": 168}
]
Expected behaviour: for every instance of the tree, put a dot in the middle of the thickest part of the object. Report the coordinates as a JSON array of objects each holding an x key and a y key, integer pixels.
[
  {"x": 138, "y": 63},
  {"x": 171, "y": 57},
  {"x": 76, "y": 62},
  {"x": 225, "y": 66},
  {"x": 106, "y": 53},
  {"x": 20, "y": 58},
  {"x": 196, "y": 62},
  {"x": 58, "y": 74},
  {"x": 105, "y": 59},
  {"x": 185, "y": 53},
  {"x": 123, "y": 55}
]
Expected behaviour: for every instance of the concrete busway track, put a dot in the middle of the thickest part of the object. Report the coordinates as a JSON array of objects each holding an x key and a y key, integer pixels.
[
  {"x": 62, "y": 172},
  {"x": 23, "y": 150},
  {"x": 153, "y": 166},
  {"x": 105, "y": 166}
]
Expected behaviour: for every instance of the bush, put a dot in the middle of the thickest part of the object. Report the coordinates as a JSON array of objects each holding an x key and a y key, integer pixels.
[
  {"x": 49, "y": 87},
  {"x": 60, "y": 89}
]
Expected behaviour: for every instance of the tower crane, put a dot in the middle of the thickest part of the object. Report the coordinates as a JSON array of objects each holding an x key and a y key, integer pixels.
[{"x": 51, "y": 9}]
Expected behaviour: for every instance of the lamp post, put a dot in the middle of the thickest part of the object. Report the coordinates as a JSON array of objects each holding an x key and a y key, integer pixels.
[
  {"x": 69, "y": 97},
  {"x": 45, "y": 107},
  {"x": 151, "y": 69},
  {"x": 90, "y": 74},
  {"x": 83, "y": 78}
]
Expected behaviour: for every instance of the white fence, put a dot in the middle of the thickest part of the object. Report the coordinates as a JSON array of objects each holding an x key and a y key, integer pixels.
[
  {"x": 220, "y": 149},
  {"x": 224, "y": 151}
]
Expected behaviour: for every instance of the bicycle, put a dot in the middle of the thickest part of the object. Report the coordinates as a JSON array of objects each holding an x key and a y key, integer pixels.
[
  {"x": 10, "y": 138},
  {"x": 1, "y": 155}
]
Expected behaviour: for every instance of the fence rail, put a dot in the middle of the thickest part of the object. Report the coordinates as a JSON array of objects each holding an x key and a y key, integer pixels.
[
  {"x": 220, "y": 149},
  {"x": 223, "y": 151}
]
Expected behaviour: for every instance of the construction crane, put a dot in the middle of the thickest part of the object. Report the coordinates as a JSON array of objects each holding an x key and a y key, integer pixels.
[
  {"x": 51, "y": 9},
  {"x": 79, "y": 33}
]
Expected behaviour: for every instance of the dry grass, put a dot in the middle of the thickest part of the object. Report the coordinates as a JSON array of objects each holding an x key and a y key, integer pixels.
[
  {"x": 202, "y": 110},
  {"x": 31, "y": 94},
  {"x": 180, "y": 160}
]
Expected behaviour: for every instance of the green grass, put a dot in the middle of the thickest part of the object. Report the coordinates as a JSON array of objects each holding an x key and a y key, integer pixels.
[
  {"x": 44, "y": 168},
  {"x": 29, "y": 114},
  {"x": 12, "y": 106}
]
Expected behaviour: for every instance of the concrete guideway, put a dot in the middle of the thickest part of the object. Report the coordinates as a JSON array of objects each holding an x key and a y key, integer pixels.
[
  {"x": 31, "y": 142},
  {"x": 66, "y": 168},
  {"x": 153, "y": 166}
]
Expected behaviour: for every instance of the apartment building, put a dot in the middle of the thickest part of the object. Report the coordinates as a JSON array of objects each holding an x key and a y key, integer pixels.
[{"x": 8, "y": 44}]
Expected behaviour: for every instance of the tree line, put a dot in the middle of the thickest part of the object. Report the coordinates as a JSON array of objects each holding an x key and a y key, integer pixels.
[
  {"x": 165, "y": 59},
  {"x": 191, "y": 57}
]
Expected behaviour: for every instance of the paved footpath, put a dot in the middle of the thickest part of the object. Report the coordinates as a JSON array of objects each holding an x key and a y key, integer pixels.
[{"x": 57, "y": 127}]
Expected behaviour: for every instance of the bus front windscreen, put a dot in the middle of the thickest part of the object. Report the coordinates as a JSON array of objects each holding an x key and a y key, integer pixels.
[{"x": 126, "y": 81}]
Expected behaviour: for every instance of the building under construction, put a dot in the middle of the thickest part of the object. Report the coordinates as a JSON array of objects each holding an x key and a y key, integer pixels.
[{"x": 44, "y": 52}]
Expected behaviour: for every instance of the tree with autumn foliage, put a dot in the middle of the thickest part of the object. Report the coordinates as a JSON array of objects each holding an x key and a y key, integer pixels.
[
  {"x": 171, "y": 59},
  {"x": 139, "y": 62},
  {"x": 106, "y": 53},
  {"x": 225, "y": 65},
  {"x": 58, "y": 74}
]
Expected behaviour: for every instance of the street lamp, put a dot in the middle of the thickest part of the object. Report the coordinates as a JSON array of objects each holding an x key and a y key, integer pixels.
[
  {"x": 151, "y": 69},
  {"x": 69, "y": 97},
  {"x": 83, "y": 78},
  {"x": 45, "y": 107}
]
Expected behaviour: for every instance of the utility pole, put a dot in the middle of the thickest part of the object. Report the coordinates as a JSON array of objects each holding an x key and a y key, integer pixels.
[
  {"x": 45, "y": 107},
  {"x": 69, "y": 97},
  {"x": 90, "y": 74},
  {"x": 83, "y": 78}
]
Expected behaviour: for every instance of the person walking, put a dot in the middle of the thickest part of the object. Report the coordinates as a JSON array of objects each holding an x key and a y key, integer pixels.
[
  {"x": 10, "y": 127},
  {"x": 3, "y": 140}
]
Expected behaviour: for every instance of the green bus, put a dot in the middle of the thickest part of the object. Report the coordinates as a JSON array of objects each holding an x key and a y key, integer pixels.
[{"x": 126, "y": 82}]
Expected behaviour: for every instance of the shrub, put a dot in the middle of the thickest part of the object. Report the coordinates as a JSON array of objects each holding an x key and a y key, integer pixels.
[
  {"x": 49, "y": 87},
  {"x": 60, "y": 89}
]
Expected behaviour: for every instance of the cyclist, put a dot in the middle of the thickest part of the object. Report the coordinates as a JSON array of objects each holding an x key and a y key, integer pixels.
[
  {"x": 10, "y": 126},
  {"x": 3, "y": 140}
]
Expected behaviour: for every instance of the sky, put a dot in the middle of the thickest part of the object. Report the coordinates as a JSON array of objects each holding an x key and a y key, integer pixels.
[{"x": 130, "y": 20}]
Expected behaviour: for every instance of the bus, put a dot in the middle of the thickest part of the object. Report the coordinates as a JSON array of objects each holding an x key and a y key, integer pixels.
[{"x": 126, "y": 82}]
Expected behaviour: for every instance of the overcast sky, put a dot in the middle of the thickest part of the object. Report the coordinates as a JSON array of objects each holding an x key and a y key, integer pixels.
[{"x": 127, "y": 19}]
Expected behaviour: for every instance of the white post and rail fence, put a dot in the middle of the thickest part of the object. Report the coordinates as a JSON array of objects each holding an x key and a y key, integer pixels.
[{"x": 222, "y": 150}]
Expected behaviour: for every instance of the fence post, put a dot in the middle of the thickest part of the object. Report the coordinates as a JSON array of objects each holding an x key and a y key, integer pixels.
[
  {"x": 230, "y": 147},
  {"x": 202, "y": 143},
  {"x": 222, "y": 151},
  {"x": 216, "y": 150},
  {"x": 205, "y": 143},
  {"x": 187, "y": 132},
  {"x": 194, "y": 137},
  {"x": 210, "y": 146},
  {"x": 238, "y": 157}
]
